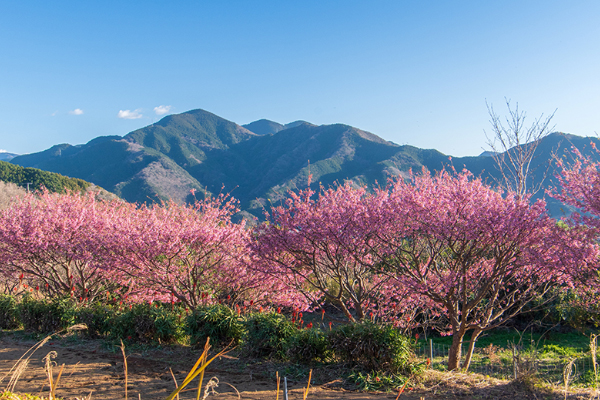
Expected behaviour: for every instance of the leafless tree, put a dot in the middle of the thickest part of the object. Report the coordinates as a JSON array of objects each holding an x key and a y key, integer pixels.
[
  {"x": 8, "y": 193},
  {"x": 513, "y": 146}
]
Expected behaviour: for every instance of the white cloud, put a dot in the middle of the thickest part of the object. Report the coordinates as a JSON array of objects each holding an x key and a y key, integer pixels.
[
  {"x": 128, "y": 114},
  {"x": 3, "y": 151},
  {"x": 162, "y": 110},
  {"x": 77, "y": 111}
]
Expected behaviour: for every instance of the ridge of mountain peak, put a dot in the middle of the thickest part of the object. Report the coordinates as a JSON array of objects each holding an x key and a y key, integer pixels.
[{"x": 262, "y": 160}]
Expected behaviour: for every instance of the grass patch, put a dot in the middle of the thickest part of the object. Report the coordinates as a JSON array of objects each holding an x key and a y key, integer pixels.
[
  {"x": 544, "y": 355},
  {"x": 26, "y": 396}
]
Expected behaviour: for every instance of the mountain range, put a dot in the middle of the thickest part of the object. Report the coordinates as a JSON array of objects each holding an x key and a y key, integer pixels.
[{"x": 257, "y": 163}]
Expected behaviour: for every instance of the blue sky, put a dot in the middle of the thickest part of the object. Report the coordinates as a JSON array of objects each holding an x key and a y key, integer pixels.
[{"x": 413, "y": 72}]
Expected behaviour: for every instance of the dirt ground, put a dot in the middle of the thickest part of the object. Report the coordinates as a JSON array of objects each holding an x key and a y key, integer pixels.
[{"x": 91, "y": 368}]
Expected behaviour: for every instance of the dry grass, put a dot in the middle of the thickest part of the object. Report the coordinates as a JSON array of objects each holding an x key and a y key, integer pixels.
[
  {"x": 197, "y": 372},
  {"x": 21, "y": 365}
]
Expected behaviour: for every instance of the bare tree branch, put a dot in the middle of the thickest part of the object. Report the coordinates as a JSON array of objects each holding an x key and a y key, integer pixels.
[{"x": 513, "y": 146}]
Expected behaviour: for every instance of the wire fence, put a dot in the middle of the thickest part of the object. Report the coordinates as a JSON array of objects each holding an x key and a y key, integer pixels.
[{"x": 511, "y": 364}]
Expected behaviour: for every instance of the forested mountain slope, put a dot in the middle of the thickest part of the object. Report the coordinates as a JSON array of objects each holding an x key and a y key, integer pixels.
[{"x": 201, "y": 151}]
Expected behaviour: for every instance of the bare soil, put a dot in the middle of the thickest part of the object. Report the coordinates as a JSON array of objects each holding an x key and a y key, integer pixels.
[{"x": 91, "y": 367}]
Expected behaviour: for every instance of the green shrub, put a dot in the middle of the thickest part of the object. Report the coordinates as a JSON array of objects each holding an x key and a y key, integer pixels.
[
  {"x": 9, "y": 312},
  {"x": 588, "y": 378},
  {"x": 268, "y": 335},
  {"x": 549, "y": 349},
  {"x": 373, "y": 347},
  {"x": 147, "y": 323},
  {"x": 47, "y": 316},
  {"x": 377, "y": 380},
  {"x": 98, "y": 318},
  {"x": 309, "y": 345},
  {"x": 219, "y": 322},
  {"x": 567, "y": 307}
]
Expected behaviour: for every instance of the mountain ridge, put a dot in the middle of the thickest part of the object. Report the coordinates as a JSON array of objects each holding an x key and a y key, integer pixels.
[{"x": 202, "y": 151}]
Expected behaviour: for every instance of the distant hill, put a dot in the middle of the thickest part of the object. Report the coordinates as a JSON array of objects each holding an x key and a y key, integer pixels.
[
  {"x": 37, "y": 178},
  {"x": 296, "y": 123},
  {"x": 266, "y": 127},
  {"x": 257, "y": 163},
  {"x": 6, "y": 156},
  {"x": 131, "y": 171}
]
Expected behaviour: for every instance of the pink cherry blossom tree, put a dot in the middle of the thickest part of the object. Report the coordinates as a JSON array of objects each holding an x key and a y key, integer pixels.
[
  {"x": 49, "y": 240},
  {"x": 193, "y": 254},
  {"x": 323, "y": 247},
  {"x": 580, "y": 187},
  {"x": 478, "y": 256}
]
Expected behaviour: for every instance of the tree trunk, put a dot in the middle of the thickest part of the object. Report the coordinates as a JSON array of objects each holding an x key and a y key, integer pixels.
[
  {"x": 345, "y": 310},
  {"x": 455, "y": 351},
  {"x": 359, "y": 311},
  {"x": 469, "y": 354}
]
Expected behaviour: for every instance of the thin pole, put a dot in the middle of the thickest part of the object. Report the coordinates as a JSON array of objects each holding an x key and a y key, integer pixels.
[
  {"x": 431, "y": 350},
  {"x": 514, "y": 362}
]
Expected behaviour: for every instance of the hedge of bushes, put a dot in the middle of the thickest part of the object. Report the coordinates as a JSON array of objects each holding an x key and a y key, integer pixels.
[{"x": 366, "y": 346}]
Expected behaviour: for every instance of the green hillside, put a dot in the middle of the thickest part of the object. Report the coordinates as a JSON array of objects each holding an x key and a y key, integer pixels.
[
  {"x": 37, "y": 178},
  {"x": 129, "y": 170},
  {"x": 268, "y": 166},
  {"x": 186, "y": 137},
  {"x": 264, "y": 127}
]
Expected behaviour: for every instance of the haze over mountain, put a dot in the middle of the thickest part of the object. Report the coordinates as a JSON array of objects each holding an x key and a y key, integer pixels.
[
  {"x": 6, "y": 156},
  {"x": 257, "y": 163}
]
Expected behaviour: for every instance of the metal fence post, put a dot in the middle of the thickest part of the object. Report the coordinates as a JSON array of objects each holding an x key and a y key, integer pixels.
[
  {"x": 431, "y": 350},
  {"x": 514, "y": 362}
]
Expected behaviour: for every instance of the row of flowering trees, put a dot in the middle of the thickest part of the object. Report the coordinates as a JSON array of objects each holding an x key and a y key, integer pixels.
[
  {"x": 447, "y": 243},
  {"x": 75, "y": 245},
  {"x": 444, "y": 245}
]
